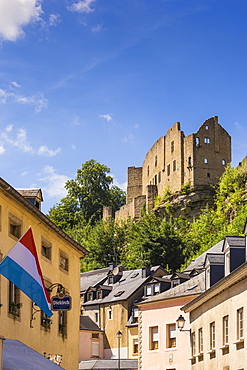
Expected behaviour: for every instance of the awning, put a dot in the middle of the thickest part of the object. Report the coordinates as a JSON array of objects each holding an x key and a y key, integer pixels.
[{"x": 18, "y": 356}]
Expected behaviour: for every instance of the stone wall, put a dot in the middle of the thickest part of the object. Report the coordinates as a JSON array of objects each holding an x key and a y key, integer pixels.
[{"x": 174, "y": 161}]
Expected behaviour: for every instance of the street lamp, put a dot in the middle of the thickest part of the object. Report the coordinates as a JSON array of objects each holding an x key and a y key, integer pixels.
[
  {"x": 180, "y": 323},
  {"x": 119, "y": 335}
]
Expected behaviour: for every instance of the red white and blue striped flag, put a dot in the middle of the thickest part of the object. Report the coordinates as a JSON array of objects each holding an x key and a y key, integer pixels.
[{"x": 21, "y": 267}]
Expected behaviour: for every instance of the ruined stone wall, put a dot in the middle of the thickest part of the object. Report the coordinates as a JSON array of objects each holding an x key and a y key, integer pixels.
[
  {"x": 175, "y": 160},
  {"x": 134, "y": 183}
]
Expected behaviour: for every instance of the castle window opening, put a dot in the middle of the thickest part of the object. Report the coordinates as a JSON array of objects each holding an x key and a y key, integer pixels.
[
  {"x": 197, "y": 141},
  {"x": 172, "y": 146},
  {"x": 206, "y": 127},
  {"x": 155, "y": 161},
  {"x": 174, "y": 165},
  {"x": 206, "y": 140},
  {"x": 223, "y": 162},
  {"x": 208, "y": 174},
  {"x": 155, "y": 180},
  {"x": 168, "y": 170},
  {"x": 205, "y": 160},
  {"x": 189, "y": 161},
  {"x": 159, "y": 176},
  {"x": 148, "y": 170}
]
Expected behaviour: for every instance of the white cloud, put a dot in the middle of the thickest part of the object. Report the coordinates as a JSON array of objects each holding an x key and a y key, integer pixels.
[
  {"x": 122, "y": 186},
  {"x": 83, "y": 6},
  {"x": 107, "y": 117},
  {"x": 54, "y": 19},
  {"x": 54, "y": 183},
  {"x": 15, "y": 84},
  {"x": 45, "y": 151},
  {"x": 75, "y": 121},
  {"x": 37, "y": 100},
  {"x": 24, "y": 173},
  {"x": 15, "y": 14},
  {"x": 128, "y": 138},
  {"x": 2, "y": 149},
  {"x": 18, "y": 141},
  {"x": 97, "y": 28}
]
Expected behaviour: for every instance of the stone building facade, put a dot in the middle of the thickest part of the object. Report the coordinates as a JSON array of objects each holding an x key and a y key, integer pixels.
[{"x": 176, "y": 160}]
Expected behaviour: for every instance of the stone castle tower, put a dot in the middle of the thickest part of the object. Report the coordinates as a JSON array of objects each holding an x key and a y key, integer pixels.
[{"x": 176, "y": 160}]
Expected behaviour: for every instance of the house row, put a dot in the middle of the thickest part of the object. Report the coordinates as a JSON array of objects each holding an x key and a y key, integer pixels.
[{"x": 189, "y": 320}]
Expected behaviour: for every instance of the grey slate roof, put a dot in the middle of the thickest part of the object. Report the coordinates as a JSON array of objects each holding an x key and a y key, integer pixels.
[
  {"x": 130, "y": 281},
  {"x": 86, "y": 323},
  {"x": 18, "y": 356},
  {"x": 108, "y": 364},
  {"x": 234, "y": 241},
  {"x": 216, "y": 258},
  {"x": 90, "y": 278},
  {"x": 195, "y": 285},
  {"x": 198, "y": 262},
  {"x": 33, "y": 193}
]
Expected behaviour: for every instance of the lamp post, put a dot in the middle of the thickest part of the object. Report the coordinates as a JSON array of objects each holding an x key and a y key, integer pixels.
[
  {"x": 119, "y": 335},
  {"x": 180, "y": 323}
]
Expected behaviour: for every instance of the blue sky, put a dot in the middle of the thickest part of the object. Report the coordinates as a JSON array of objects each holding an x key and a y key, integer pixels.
[{"x": 104, "y": 79}]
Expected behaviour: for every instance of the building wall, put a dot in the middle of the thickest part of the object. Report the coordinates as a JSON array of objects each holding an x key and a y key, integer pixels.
[
  {"x": 132, "y": 335},
  {"x": 50, "y": 341},
  {"x": 175, "y": 160},
  {"x": 85, "y": 345},
  {"x": 225, "y": 303},
  {"x": 161, "y": 314}
]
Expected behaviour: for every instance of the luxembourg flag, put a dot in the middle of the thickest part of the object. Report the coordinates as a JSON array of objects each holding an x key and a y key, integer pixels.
[{"x": 21, "y": 267}]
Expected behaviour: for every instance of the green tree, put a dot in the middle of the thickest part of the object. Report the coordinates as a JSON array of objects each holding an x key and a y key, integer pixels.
[{"x": 88, "y": 193}]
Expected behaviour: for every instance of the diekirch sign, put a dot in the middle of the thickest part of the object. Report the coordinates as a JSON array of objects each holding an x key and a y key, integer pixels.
[{"x": 61, "y": 302}]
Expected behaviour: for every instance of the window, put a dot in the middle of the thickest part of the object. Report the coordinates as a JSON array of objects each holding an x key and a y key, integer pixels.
[
  {"x": 174, "y": 165},
  {"x": 189, "y": 162},
  {"x": 119, "y": 293},
  {"x": 46, "y": 248},
  {"x": 96, "y": 316},
  {"x": 174, "y": 283},
  {"x": 171, "y": 335},
  {"x": 135, "y": 346},
  {"x": 193, "y": 343},
  {"x": 148, "y": 170},
  {"x": 95, "y": 335},
  {"x": 225, "y": 330},
  {"x": 135, "y": 314},
  {"x": 206, "y": 127},
  {"x": 206, "y": 140},
  {"x": 99, "y": 294},
  {"x": 62, "y": 322},
  {"x": 172, "y": 146},
  {"x": 200, "y": 340},
  {"x": 14, "y": 226},
  {"x": 156, "y": 288},
  {"x": 90, "y": 296},
  {"x": 197, "y": 141},
  {"x": 240, "y": 323},
  {"x": 223, "y": 162},
  {"x": 95, "y": 349},
  {"x": 14, "y": 300},
  {"x": 212, "y": 335},
  {"x": 63, "y": 261},
  {"x": 155, "y": 180},
  {"x": 45, "y": 321},
  {"x": 149, "y": 290},
  {"x": 205, "y": 160},
  {"x": 110, "y": 314},
  {"x": 168, "y": 170},
  {"x": 159, "y": 177},
  {"x": 208, "y": 174},
  {"x": 154, "y": 337},
  {"x": 155, "y": 161}
]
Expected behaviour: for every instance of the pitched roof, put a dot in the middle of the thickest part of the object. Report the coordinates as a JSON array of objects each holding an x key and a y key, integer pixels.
[
  {"x": 195, "y": 285},
  {"x": 31, "y": 193},
  {"x": 215, "y": 258},
  {"x": 86, "y": 323},
  {"x": 131, "y": 280},
  {"x": 234, "y": 241},
  {"x": 198, "y": 262},
  {"x": 90, "y": 278}
]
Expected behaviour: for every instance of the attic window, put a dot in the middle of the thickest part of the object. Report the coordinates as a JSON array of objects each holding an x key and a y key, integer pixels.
[
  {"x": 99, "y": 294},
  {"x": 135, "y": 275},
  {"x": 175, "y": 283},
  {"x": 119, "y": 293}
]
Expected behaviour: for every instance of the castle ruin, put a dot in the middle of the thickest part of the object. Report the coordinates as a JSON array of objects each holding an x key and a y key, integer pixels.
[{"x": 175, "y": 160}]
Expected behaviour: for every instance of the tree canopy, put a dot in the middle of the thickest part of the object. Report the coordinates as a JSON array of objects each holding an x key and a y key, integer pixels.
[{"x": 88, "y": 193}]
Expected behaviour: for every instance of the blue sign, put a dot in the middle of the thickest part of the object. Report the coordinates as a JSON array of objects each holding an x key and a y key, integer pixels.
[{"x": 61, "y": 304}]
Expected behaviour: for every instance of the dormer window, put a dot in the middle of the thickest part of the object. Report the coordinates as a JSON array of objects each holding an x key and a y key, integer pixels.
[
  {"x": 148, "y": 290},
  {"x": 99, "y": 294},
  {"x": 110, "y": 279},
  {"x": 175, "y": 283},
  {"x": 90, "y": 296},
  {"x": 156, "y": 288}
]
